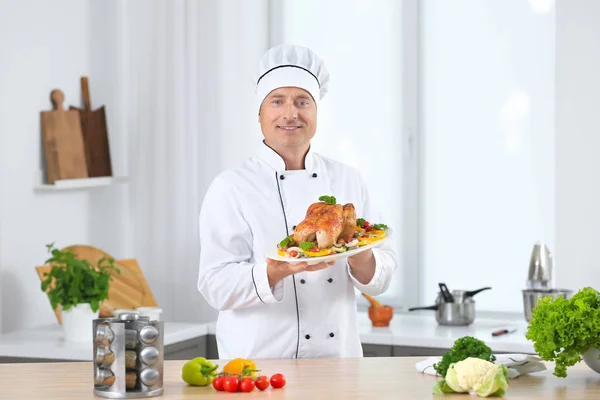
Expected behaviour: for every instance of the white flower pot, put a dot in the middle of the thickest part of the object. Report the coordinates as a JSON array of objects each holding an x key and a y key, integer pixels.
[
  {"x": 590, "y": 357},
  {"x": 77, "y": 323}
]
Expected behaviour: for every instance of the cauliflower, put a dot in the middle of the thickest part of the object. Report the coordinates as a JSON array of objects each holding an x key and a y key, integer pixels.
[{"x": 475, "y": 376}]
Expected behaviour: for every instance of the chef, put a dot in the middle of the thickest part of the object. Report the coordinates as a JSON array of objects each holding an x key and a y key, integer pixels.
[{"x": 267, "y": 308}]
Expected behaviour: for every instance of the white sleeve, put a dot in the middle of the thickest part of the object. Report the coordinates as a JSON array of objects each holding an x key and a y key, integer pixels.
[
  {"x": 227, "y": 279},
  {"x": 385, "y": 255}
]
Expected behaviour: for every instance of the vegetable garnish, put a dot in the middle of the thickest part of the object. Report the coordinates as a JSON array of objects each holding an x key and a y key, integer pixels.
[{"x": 328, "y": 199}]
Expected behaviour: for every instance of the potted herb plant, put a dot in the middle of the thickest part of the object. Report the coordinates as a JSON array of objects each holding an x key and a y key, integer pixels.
[
  {"x": 567, "y": 331},
  {"x": 79, "y": 288}
]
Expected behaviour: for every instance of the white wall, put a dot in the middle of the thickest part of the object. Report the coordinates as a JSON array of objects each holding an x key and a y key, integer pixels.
[
  {"x": 488, "y": 129},
  {"x": 46, "y": 45},
  {"x": 577, "y": 143}
]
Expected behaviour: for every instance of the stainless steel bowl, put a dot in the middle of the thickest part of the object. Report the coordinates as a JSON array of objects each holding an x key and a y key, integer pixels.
[{"x": 532, "y": 296}]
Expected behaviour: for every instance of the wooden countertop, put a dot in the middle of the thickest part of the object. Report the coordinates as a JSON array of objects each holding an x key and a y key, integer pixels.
[{"x": 366, "y": 378}]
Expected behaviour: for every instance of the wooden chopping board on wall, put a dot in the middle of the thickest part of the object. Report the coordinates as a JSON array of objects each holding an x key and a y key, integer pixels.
[
  {"x": 62, "y": 141},
  {"x": 95, "y": 134},
  {"x": 128, "y": 289}
]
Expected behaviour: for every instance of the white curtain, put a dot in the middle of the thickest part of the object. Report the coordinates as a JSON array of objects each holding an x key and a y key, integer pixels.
[{"x": 190, "y": 73}]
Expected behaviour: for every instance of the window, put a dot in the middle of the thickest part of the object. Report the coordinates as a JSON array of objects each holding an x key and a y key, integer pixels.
[{"x": 487, "y": 134}]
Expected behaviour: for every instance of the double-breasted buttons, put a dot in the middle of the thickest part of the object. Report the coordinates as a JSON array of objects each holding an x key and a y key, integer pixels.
[
  {"x": 307, "y": 337},
  {"x": 331, "y": 334},
  {"x": 294, "y": 227},
  {"x": 302, "y": 281},
  {"x": 281, "y": 177},
  {"x": 314, "y": 175},
  {"x": 330, "y": 280}
]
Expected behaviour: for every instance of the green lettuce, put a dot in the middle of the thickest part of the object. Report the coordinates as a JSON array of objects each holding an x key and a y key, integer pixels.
[{"x": 563, "y": 329}]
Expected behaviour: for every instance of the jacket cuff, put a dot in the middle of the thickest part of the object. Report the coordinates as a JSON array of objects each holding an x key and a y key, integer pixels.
[
  {"x": 373, "y": 285},
  {"x": 260, "y": 280}
]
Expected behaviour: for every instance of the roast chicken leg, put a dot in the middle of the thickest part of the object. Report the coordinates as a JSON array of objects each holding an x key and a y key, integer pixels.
[{"x": 327, "y": 224}]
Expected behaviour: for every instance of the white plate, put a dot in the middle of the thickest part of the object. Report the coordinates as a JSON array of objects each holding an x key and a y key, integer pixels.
[{"x": 331, "y": 257}]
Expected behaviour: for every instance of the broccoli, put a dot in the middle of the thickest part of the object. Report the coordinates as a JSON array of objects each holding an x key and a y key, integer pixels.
[{"x": 463, "y": 348}]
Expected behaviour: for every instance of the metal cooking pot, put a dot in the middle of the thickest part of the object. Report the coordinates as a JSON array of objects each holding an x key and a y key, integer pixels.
[
  {"x": 458, "y": 312},
  {"x": 452, "y": 314}
]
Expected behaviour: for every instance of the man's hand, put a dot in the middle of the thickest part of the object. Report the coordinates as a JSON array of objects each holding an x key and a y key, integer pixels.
[
  {"x": 277, "y": 270},
  {"x": 362, "y": 266}
]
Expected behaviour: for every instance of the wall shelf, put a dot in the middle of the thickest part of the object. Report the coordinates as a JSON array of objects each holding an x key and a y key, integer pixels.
[{"x": 73, "y": 184}]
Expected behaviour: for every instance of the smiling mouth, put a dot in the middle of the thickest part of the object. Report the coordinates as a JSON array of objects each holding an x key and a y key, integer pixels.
[{"x": 289, "y": 128}]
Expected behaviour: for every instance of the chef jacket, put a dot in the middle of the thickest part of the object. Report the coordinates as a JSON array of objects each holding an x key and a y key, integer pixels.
[{"x": 246, "y": 212}]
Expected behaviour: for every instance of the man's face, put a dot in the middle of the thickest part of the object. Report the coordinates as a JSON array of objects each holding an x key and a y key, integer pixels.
[{"x": 288, "y": 118}]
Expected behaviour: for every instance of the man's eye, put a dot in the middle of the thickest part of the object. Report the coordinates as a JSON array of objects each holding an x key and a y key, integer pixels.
[
  {"x": 303, "y": 103},
  {"x": 277, "y": 102}
]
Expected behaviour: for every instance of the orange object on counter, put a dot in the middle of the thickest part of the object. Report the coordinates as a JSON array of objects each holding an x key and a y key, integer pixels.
[
  {"x": 240, "y": 366},
  {"x": 379, "y": 314}
]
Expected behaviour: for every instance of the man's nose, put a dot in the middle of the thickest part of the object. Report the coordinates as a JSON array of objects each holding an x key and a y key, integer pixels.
[{"x": 290, "y": 112}]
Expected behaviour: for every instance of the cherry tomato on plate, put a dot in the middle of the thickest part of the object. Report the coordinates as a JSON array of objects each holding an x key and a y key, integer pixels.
[
  {"x": 231, "y": 384},
  {"x": 262, "y": 382},
  {"x": 247, "y": 385},
  {"x": 278, "y": 381},
  {"x": 293, "y": 253},
  {"x": 218, "y": 383}
]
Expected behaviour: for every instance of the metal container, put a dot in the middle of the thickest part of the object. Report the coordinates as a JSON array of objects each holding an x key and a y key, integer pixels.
[
  {"x": 455, "y": 309},
  {"x": 541, "y": 268},
  {"x": 452, "y": 314},
  {"x": 531, "y": 298},
  {"x": 128, "y": 357}
]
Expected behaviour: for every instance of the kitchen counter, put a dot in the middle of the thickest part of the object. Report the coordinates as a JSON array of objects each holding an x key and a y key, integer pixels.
[
  {"x": 415, "y": 329},
  {"x": 366, "y": 378},
  {"x": 420, "y": 329}
]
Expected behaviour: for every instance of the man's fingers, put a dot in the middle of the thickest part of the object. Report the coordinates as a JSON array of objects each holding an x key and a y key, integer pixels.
[
  {"x": 299, "y": 267},
  {"x": 317, "y": 267}
]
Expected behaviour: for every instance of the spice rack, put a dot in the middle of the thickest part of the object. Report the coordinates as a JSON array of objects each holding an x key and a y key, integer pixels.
[{"x": 128, "y": 356}]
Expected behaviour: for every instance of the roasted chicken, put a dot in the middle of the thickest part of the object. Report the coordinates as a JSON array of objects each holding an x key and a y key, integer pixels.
[{"x": 327, "y": 224}]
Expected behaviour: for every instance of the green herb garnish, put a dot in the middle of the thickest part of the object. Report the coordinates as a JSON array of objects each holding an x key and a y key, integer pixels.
[
  {"x": 380, "y": 226},
  {"x": 288, "y": 241},
  {"x": 307, "y": 245},
  {"x": 360, "y": 222},
  {"x": 328, "y": 199}
]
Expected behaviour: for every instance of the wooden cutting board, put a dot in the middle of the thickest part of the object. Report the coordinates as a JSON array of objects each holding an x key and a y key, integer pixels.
[
  {"x": 128, "y": 289},
  {"x": 62, "y": 141},
  {"x": 95, "y": 135}
]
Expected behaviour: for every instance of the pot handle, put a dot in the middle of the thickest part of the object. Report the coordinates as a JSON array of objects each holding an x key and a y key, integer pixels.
[
  {"x": 474, "y": 292},
  {"x": 424, "y": 308}
]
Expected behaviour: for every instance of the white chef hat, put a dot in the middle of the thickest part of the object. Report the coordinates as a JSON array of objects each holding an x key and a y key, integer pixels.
[{"x": 291, "y": 65}]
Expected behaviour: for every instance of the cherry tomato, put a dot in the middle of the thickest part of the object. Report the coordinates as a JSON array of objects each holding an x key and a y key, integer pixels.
[
  {"x": 293, "y": 253},
  {"x": 247, "y": 385},
  {"x": 314, "y": 249},
  {"x": 262, "y": 382},
  {"x": 278, "y": 381},
  {"x": 218, "y": 383},
  {"x": 231, "y": 384}
]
